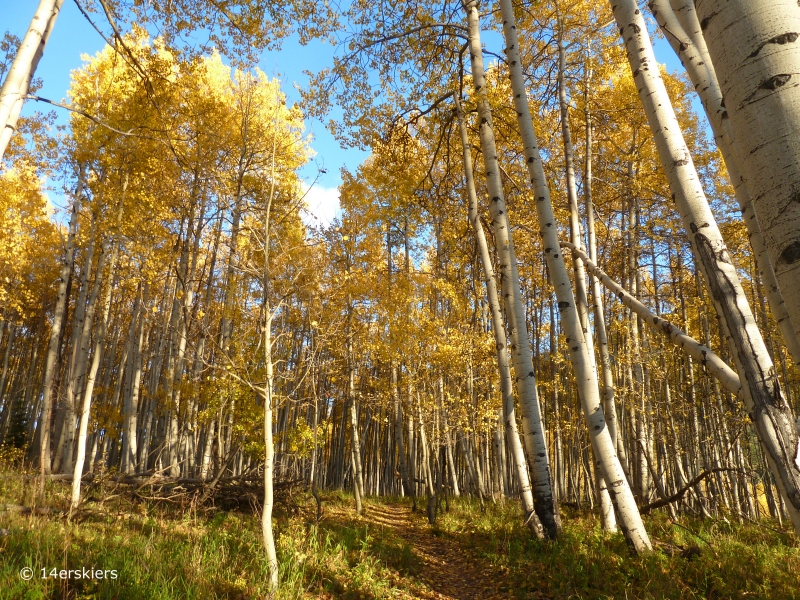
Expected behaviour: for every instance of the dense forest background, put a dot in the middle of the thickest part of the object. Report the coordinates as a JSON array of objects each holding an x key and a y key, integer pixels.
[{"x": 551, "y": 280}]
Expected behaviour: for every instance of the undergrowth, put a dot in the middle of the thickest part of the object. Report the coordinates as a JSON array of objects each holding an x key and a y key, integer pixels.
[
  {"x": 692, "y": 558},
  {"x": 164, "y": 551}
]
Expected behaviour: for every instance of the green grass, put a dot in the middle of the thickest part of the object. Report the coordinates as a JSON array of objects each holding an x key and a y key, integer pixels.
[
  {"x": 161, "y": 551},
  {"x": 692, "y": 558}
]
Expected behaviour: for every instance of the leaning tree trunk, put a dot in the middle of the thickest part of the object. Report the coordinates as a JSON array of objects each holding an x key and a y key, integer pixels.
[
  {"x": 768, "y": 409},
  {"x": 703, "y": 354},
  {"x": 520, "y": 345},
  {"x": 18, "y": 81},
  {"x": 580, "y": 353},
  {"x": 755, "y": 49},
  {"x": 678, "y": 22},
  {"x": 499, "y": 331}
]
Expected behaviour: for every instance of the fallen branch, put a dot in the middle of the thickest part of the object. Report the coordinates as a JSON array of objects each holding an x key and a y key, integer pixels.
[{"x": 682, "y": 492}]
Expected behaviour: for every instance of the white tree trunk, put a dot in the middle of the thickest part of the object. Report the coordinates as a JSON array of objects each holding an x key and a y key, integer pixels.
[
  {"x": 408, "y": 487},
  {"x": 533, "y": 429},
  {"x": 81, "y": 336},
  {"x": 269, "y": 445},
  {"x": 755, "y": 49},
  {"x": 269, "y": 456},
  {"x": 129, "y": 413},
  {"x": 609, "y": 405},
  {"x": 18, "y": 81},
  {"x": 768, "y": 409},
  {"x": 508, "y": 414},
  {"x": 91, "y": 378},
  {"x": 580, "y": 353},
  {"x": 680, "y": 26},
  {"x": 55, "y": 333},
  {"x": 355, "y": 443},
  {"x": 581, "y": 296}
]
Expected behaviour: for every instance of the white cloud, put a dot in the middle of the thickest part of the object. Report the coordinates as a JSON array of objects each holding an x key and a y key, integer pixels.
[{"x": 322, "y": 205}]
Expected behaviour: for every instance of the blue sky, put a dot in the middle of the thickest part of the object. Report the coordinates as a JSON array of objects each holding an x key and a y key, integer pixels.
[{"x": 73, "y": 36}]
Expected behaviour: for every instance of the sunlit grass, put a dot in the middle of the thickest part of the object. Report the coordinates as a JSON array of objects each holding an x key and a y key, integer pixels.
[
  {"x": 164, "y": 551},
  {"x": 692, "y": 558}
]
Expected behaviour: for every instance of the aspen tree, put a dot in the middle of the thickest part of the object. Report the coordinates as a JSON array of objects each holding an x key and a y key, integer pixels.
[
  {"x": 18, "y": 80},
  {"x": 581, "y": 295},
  {"x": 580, "y": 353},
  {"x": 609, "y": 406},
  {"x": 408, "y": 487},
  {"x": 509, "y": 278},
  {"x": 770, "y": 412},
  {"x": 268, "y": 390},
  {"x": 81, "y": 328},
  {"x": 55, "y": 334},
  {"x": 498, "y": 329},
  {"x": 91, "y": 378},
  {"x": 682, "y": 29},
  {"x": 755, "y": 50}
]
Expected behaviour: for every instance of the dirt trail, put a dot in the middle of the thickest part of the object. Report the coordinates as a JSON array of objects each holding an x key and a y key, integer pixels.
[{"x": 450, "y": 572}]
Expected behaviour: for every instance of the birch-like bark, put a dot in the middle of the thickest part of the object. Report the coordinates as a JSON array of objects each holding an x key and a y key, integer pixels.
[
  {"x": 581, "y": 295},
  {"x": 269, "y": 445},
  {"x": 518, "y": 329},
  {"x": 448, "y": 444},
  {"x": 408, "y": 488},
  {"x": 355, "y": 444},
  {"x": 498, "y": 329},
  {"x": 7, "y": 402},
  {"x": 91, "y": 377},
  {"x": 680, "y": 26},
  {"x": 580, "y": 353},
  {"x": 55, "y": 334},
  {"x": 755, "y": 49},
  {"x": 129, "y": 413},
  {"x": 81, "y": 336},
  {"x": 609, "y": 405},
  {"x": 701, "y": 353},
  {"x": 432, "y": 503},
  {"x": 768, "y": 409},
  {"x": 19, "y": 77}
]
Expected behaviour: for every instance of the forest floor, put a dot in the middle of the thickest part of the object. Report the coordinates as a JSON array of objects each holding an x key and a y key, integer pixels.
[
  {"x": 447, "y": 570},
  {"x": 174, "y": 550}
]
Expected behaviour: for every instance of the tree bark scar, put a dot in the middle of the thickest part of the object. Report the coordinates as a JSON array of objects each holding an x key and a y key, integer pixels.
[
  {"x": 775, "y": 81},
  {"x": 784, "y": 38},
  {"x": 791, "y": 254},
  {"x": 704, "y": 23},
  {"x": 770, "y": 85}
]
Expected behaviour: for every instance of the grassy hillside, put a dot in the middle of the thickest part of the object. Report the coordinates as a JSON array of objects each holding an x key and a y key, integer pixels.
[{"x": 172, "y": 549}]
